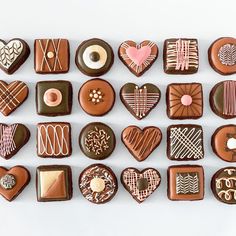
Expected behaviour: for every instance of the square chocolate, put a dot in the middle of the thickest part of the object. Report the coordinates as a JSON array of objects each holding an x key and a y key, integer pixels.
[
  {"x": 180, "y": 56},
  {"x": 53, "y": 183},
  {"x": 51, "y": 56},
  {"x": 185, "y": 142},
  {"x": 184, "y": 101},
  {"x": 54, "y": 98},
  {"x": 185, "y": 182},
  {"x": 54, "y": 139}
]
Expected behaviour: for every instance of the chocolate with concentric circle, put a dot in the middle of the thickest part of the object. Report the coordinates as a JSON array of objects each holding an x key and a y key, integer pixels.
[
  {"x": 97, "y": 140},
  {"x": 94, "y": 57},
  {"x": 223, "y": 99},
  {"x": 140, "y": 100},
  {"x": 54, "y": 98},
  {"x": 98, "y": 183},
  {"x": 223, "y": 142},
  {"x": 223, "y": 185},
  {"x": 96, "y": 97},
  {"x": 222, "y": 55}
]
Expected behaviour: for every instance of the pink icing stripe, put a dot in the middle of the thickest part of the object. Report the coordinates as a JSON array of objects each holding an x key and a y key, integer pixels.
[
  {"x": 182, "y": 54},
  {"x": 138, "y": 55},
  {"x": 229, "y": 104}
]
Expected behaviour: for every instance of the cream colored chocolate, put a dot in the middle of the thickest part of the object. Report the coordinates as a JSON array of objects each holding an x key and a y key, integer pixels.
[{"x": 52, "y": 97}]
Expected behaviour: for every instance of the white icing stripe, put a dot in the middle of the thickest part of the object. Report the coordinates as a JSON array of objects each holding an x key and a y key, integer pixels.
[{"x": 187, "y": 183}]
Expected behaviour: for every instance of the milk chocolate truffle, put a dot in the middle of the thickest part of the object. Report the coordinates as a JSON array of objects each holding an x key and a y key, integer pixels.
[
  {"x": 96, "y": 97},
  {"x": 224, "y": 142},
  {"x": 13, "y": 181},
  {"x": 223, "y": 185},
  {"x": 222, "y": 55},
  {"x": 13, "y": 54},
  {"x": 98, "y": 183},
  {"x": 97, "y": 140},
  {"x": 94, "y": 57},
  {"x": 185, "y": 182},
  {"x": 223, "y": 99}
]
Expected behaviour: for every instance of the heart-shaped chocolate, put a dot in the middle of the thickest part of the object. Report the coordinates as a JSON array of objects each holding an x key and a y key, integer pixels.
[
  {"x": 140, "y": 184},
  {"x": 12, "y": 96},
  {"x": 140, "y": 100},
  {"x": 13, "y": 181},
  {"x": 13, "y": 54},
  {"x": 12, "y": 139},
  {"x": 141, "y": 143},
  {"x": 138, "y": 57}
]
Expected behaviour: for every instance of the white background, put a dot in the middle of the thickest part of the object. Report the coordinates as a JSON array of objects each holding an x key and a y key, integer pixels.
[{"x": 116, "y": 21}]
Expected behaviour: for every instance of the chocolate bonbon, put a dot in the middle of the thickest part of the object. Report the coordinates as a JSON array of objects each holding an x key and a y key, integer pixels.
[
  {"x": 13, "y": 54},
  {"x": 94, "y": 57},
  {"x": 54, "y": 183},
  {"x": 13, "y": 181},
  {"x": 222, "y": 55},
  {"x": 138, "y": 58},
  {"x": 141, "y": 142},
  {"x": 98, "y": 183},
  {"x": 140, "y": 184},
  {"x": 51, "y": 56}
]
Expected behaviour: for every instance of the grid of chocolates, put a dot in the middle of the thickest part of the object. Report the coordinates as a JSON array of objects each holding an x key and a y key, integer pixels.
[{"x": 94, "y": 57}]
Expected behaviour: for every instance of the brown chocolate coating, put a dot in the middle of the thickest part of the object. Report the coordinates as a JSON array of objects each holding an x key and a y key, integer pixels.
[
  {"x": 222, "y": 55},
  {"x": 97, "y": 140},
  {"x": 185, "y": 182},
  {"x": 13, "y": 54},
  {"x": 94, "y": 57},
  {"x": 21, "y": 178},
  {"x": 223, "y": 143},
  {"x": 141, "y": 142},
  {"x": 96, "y": 97}
]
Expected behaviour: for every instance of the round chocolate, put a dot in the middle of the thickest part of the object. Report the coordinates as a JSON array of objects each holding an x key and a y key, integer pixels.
[
  {"x": 8, "y": 181},
  {"x": 224, "y": 142},
  {"x": 52, "y": 97},
  {"x": 96, "y": 97},
  {"x": 223, "y": 99},
  {"x": 97, "y": 140},
  {"x": 98, "y": 183},
  {"x": 94, "y": 57},
  {"x": 223, "y": 185},
  {"x": 142, "y": 184},
  {"x": 222, "y": 55}
]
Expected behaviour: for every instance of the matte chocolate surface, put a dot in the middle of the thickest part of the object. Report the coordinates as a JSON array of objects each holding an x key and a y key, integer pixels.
[
  {"x": 141, "y": 142},
  {"x": 53, "y": 183},
  {"x": 97, "y": 140},
  {"x": 180, "y": 56},
  {"x": 185, "y": 142},
  {"x": 96, "y": 97},
  {"x": 54, "y": 139},
  {"x": 51, "y": 56},
  {"x": 184, "y": 101},
  {"x": 12, "y": 138},
  {"x": 222, "y": 55},
  {"x": 98, "y": 183},
  {"x": 138, "y": 58},
  {"x": 54, "y": 98},
  {"x": 13, "y": 54},
  {"x": 185, "y": 182},
  {"x": 140, "y": 184},
  {"x": 223, "y": 100},
  {"x": 94, "y": 57}
]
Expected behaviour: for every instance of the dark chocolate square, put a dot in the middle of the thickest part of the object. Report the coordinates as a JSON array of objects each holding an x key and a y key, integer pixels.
[
  {"x": 54, "y": 98},
  {"x": 54, "y": 139},
  {"x": 180, "y": 56},
  {"x": 53, "y": 183},
  {"x": 185, "y": 182},
  {"x": 184, "y": 101},
  {"x": 51, "y": 56},
  {"x": 185, "y": 142}
]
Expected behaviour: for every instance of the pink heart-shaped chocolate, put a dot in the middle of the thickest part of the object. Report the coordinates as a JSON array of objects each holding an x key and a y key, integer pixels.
[{"x": 138, "y": 55}]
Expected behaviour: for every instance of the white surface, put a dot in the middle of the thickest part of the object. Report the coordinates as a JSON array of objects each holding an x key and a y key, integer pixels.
[{"x": 116, "y": 21}]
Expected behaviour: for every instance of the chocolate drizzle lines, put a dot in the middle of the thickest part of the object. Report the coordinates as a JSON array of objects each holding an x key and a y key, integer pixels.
[{"x": 229, "y": 105}]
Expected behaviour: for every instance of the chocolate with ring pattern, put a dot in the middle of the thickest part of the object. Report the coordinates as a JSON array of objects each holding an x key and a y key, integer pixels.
[{"x": 94, "y": 57}]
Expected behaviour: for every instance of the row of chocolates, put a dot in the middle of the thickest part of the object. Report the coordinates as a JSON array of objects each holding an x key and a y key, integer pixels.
[
  {"x": 98, "y": 183},
  {"x": 97, "y": 97},
  {"x": 94, "y": 57},
  {"x": 97, "y": 141}
]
